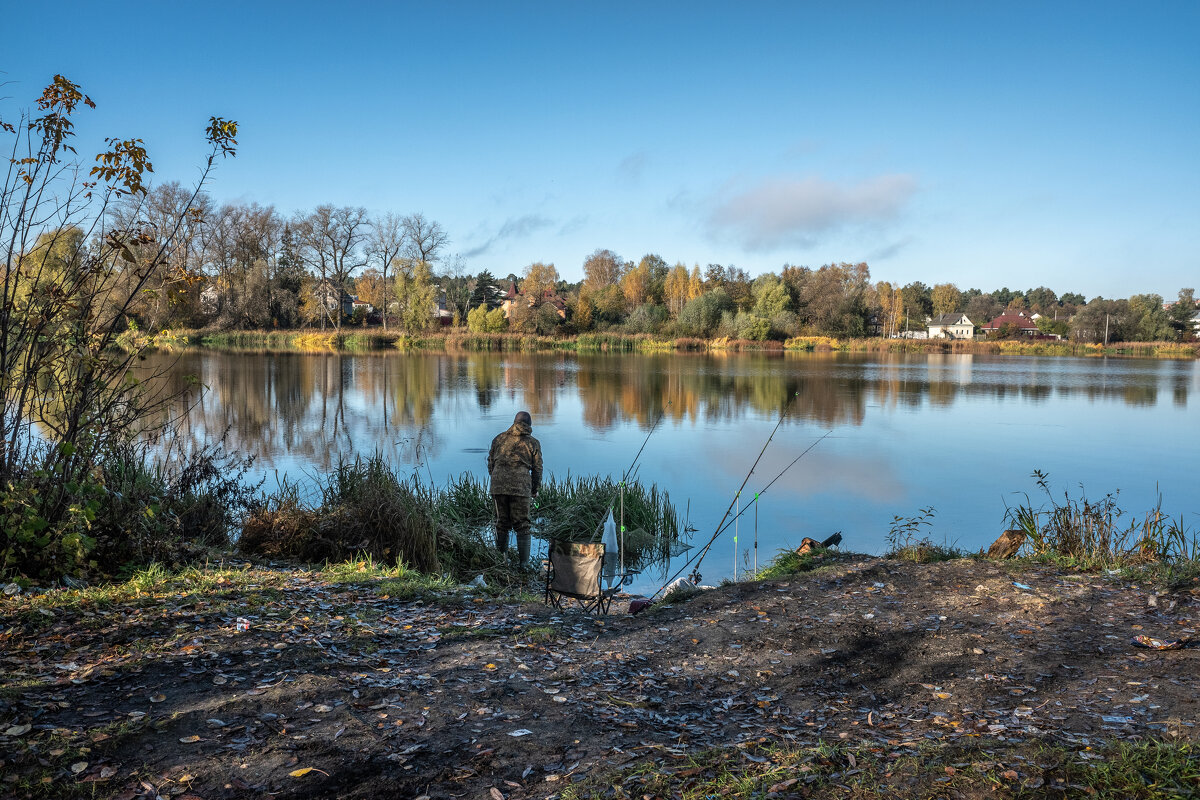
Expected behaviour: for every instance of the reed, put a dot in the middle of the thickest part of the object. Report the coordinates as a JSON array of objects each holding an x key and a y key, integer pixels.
[
  {"x": 365, "y": 508},
  {"x": 1097, "y": 532}
]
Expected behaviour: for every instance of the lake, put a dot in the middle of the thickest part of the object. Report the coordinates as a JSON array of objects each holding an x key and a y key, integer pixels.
[{"x": 958, "y": 433}]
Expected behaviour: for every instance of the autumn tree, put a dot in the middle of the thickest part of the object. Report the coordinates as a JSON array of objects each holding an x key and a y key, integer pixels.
[
  {"x": 602, "y": 268},
  {"x": 695, "y": 283},
  {"x": 946, "y": 299},
  {"x": 540, "y": 279},
  {"x": 372, "y": 287},
  {"x": 635, "y": 285},
  {"x": 675, "y": 289},
  {"x": 71, "y": 399},
  {"x": 170, "y": 294},
  {"x": 889, "y": 306},
  {"x": 416, "y": 294}
]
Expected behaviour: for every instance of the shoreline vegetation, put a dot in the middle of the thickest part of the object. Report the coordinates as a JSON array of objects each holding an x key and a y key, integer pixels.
[{"x": 376, "y": 339}]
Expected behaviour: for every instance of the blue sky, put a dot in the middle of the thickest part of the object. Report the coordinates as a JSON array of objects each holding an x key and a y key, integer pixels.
[{"x": 986, "y": 144}]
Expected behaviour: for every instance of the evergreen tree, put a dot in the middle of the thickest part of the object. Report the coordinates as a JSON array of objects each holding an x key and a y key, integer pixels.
[{"x": 485, "y": 293}]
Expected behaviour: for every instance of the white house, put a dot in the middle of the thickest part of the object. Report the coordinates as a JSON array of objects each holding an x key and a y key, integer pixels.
[{"x": 951, "y": 326}]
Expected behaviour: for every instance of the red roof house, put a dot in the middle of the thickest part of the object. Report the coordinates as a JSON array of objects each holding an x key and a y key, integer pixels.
[{"x": 1021, "y": 320}]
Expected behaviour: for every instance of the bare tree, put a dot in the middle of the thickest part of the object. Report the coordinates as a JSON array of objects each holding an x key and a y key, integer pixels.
[
  {"x": 424, "y": 238},
  {"x": 384, "y": 244},
  {"x": 330, "y": 242}
]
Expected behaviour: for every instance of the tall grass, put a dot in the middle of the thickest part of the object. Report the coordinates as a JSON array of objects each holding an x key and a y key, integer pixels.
[
  {"x": 1097, "y": 532},
  {"x": 620, "y": 342},
  {"x": 366, "y": 508}
]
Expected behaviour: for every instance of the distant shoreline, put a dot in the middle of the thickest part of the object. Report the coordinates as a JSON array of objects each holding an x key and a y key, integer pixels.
[{"x": 375, "y": 339}]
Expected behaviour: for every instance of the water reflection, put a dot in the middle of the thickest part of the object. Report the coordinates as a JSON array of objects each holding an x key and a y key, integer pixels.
[
  {"x": 316, "y": 406},
  {"x": 961, "y": 433}
]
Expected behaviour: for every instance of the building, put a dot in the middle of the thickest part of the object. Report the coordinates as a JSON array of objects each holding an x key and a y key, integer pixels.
[
  {"x": 951, "y": 326},
  {"x": 1020, "y": 321},
  {"x": 548, "y": 297}
]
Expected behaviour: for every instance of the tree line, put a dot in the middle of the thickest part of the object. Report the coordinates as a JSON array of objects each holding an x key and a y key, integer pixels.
[{"x": 246, "y": 266}]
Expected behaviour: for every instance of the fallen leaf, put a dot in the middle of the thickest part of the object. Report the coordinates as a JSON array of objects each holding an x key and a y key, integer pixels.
[
  {"x": 158, "y": 698},
  {"x": 189, "y": 739},
  {"x": 78, "y": 767},
  {"x": 300, "y": 773},
  {"x": 18, "y": 730},
  {"x": 520, "y": 732},
  {"x": 496, "y": 794}
]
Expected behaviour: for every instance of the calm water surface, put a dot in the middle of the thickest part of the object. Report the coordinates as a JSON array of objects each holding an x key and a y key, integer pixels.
[{"x": 958, "y": 433}]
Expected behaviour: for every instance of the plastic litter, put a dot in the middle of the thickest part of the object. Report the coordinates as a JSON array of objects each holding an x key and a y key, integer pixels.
[
  {"x": 242, "y": 624},
  {"x": 478, "y": 582},
  {"x": 611, "y": 551},
  {"x": 1150, "y": 643}
]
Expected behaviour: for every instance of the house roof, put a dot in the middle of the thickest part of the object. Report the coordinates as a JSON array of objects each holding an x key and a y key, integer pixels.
[
  {"x": 1018, "y": 320},
  {"x": 512, "y": 292},
  {"x": 950, "y": 319}
]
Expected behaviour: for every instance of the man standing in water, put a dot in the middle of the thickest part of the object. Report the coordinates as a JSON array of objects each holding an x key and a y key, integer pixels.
[{"x": 515, "y": 467}]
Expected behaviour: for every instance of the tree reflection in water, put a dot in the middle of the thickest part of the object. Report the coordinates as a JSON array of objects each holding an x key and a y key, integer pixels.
[{"x": 900, "y": 419}]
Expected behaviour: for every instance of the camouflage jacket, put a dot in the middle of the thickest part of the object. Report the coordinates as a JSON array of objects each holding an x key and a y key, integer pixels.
[{"x": 515, "y": 462}]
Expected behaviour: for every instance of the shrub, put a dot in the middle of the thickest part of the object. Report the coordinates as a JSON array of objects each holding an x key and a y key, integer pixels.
[{"x": 701, "y": 316}]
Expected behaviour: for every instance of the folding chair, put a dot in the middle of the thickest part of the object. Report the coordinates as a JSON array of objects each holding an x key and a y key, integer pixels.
[{"x": 573, "y": 573}]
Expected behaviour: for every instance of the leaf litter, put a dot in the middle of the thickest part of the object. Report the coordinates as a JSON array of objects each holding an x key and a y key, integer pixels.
[{"x": 362, "y": 695}]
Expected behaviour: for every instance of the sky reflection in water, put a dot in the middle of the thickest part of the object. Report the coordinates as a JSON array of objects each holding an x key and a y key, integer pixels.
[{"x": 959, "y": 433}]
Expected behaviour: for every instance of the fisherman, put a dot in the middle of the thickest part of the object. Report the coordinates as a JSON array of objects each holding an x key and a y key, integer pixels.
[{"x": 515, "y": 467}]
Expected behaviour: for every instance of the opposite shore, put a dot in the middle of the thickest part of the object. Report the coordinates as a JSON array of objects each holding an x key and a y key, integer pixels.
[{"x": 372, "y": 339}]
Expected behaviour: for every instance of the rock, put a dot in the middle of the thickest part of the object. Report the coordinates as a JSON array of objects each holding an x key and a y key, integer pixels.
[{"x": 1007, "y": 545}]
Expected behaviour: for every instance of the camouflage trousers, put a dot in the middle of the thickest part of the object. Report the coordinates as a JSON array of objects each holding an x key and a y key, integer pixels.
[{"x": 512, "y": 513}]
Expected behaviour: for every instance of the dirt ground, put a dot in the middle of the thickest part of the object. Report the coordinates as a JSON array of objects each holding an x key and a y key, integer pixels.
[{"x": 343, "y": 691}]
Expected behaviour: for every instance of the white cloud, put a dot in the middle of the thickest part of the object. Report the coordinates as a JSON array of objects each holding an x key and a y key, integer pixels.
[
  {"x": 514, "y": 228},
  {"x": 782, "y": 211}
]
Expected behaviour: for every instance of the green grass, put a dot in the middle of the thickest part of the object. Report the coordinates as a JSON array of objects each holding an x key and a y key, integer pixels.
[
  {"x": 926, "y": 552},
  {"x": 1148, "y": 770},
  {"x": 539, "y": 634},
  {"x": 145, "y": 585},
  {"x": 789, "y": 562}
]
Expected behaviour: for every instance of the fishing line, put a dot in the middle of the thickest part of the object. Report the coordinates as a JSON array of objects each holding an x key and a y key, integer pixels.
[
  {"x": 631, "y": 470},
  {"x": 738, "y": 494},
  {"x": 725, "y": 525}
]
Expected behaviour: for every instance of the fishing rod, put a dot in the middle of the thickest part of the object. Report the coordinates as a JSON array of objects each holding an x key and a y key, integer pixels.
[
  {"x": 746, "y": 480},
  {"x": 630, "y": 470},
  {"x": 725, "y": 525},
  {"x": 620, "y": 493}
]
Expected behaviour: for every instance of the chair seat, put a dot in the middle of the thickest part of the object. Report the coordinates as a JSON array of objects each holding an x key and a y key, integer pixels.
[{"x": 573, "y": 572}]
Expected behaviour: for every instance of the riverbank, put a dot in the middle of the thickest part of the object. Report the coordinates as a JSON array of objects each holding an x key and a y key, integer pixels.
[
  {"x": 373, "y": 339},
  {"x": 861, "y": 677}
]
